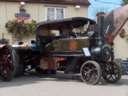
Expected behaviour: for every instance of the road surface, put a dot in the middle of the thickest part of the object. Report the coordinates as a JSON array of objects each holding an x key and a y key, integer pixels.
[{"x": 60, "y": 85}]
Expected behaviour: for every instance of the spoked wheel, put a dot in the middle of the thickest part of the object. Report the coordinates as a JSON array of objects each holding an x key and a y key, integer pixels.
[
  {"x": 6, "y": 66},
  {"x": 90, "y": 72},
  {"x": 112, "y": 72},
  {"x": 107, "y": 53}
]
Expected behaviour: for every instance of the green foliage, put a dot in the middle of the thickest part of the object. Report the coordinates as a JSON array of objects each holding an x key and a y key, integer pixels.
[
  {"x": 125, "y": 1},
  {"x": 21, "y": 29}
]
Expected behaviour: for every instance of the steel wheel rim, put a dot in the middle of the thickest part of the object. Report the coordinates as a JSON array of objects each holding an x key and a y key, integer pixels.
[
  {"x": 90, "y": 73},
  {"x": 6, "y": 63},
  {"x": 111, "y": 72}
]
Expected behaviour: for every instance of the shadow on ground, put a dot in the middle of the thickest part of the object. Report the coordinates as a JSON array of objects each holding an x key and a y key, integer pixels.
[
  {"x": 59, "y": 77},
  {"x": 33, "y": 78}
]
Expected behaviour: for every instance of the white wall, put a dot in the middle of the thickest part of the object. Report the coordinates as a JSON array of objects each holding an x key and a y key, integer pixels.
[
  {"x": 37, "y": 12},
  {"x": 121, "y": 48}
]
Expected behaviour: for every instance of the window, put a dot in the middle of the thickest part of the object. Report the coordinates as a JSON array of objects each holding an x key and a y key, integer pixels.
[{"x": 54, "y": 13}]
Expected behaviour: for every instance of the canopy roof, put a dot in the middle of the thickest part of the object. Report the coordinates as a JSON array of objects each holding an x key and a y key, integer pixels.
[{"x": 64, "y": 23}]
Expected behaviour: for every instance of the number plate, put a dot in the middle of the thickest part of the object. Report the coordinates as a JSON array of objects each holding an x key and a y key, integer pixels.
[{"x": 86, "y": 52}]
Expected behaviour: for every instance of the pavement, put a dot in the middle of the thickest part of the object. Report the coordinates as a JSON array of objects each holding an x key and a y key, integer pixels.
[{"x": 60, "y": 85}]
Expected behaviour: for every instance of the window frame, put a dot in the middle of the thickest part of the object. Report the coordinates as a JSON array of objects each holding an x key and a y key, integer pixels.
[{"x": 55, "y": 9}]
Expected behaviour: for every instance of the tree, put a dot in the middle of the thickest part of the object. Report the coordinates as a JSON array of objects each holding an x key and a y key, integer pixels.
[{"x": 125, "y": 1}]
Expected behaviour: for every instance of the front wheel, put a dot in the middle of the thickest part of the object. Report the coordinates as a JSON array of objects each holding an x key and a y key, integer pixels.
[
  {"x": 112, "y": 72},
  {"x": 90, "y": 72}
]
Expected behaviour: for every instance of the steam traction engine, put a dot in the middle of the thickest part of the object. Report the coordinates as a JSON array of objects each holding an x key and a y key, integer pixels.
[{"x": 88, "y": 52}]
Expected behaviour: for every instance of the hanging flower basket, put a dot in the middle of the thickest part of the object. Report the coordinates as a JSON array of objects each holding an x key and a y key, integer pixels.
[{"x": 20, "y": 29}]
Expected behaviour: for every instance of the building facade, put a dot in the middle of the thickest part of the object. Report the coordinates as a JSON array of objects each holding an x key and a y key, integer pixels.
[{"x": 40, "y": 10}]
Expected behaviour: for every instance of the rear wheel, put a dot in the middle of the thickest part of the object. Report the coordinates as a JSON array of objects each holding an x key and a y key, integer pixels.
[
  {"x": 112, "y": 72},
  {"x": 18, "y": 66},
  {"x": 90, "y": 72},
  {"x": 6, "y": 65}
]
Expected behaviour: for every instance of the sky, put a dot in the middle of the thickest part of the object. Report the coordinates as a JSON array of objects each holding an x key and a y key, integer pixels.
[{"x": 102, "y": 6}]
